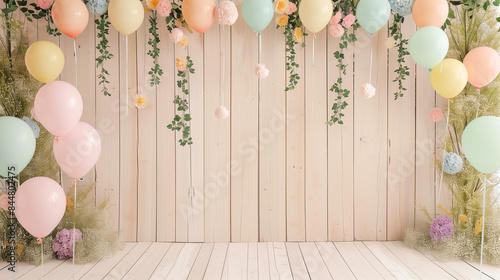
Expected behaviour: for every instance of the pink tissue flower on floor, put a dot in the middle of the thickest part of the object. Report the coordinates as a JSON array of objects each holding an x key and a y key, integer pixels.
[
  {"x": 336, "y": 18},
  {"x": 349, "y": 20},
  {"x": 4, "y": 202},
  {"x": 63, "y": 243},
  {"x": 261, "y": 71},
  {"x": 336, "y": 30},
  {"x": 164, "y": 8},
  {"x": 368, "y": 91},
  {"x": 43, "y": 4},
  {"x": 290, "y": 8},
  {"x": 436, "y": 114},
  {"x": 221, "y": 113},
  {"x": 176, "y": 35}
]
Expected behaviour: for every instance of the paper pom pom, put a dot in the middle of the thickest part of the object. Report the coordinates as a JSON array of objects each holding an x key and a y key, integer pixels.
[
  {"x": 261, "y": 71},
  {"x": 390, "y": 43},
  {"x": 164, "y": 8},
  {"x": 452, "y": 163},
  {"x": 33, "y": 125},
  {"x": 336, "y": 18},
  {"x": 290, "y": 8},
  {"x": 336, "y": 30},
  {"x": 441, "y": 227},
  {"x": 226, "y": 13},
  {"x": 368, "y": 91},
  {"x": 436, "y": 114},
  {"x": 176, "y": 35},
  {"x": 63, "y": 243},
  {"x": 221, "y": 113},
  {"x": 348, "y": 20},
  {"x": 401, "y": 7},
  {"x": 43, "y": 4},
  {"x": 97, "y": 7}
]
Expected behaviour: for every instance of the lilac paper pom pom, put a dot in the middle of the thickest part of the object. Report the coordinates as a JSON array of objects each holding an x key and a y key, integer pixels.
[
  {"x": 226, "y": 13},
  {"x": 441, "y": 227},
  {"x": 452, "y": 163},
  {"x": 368, "y": 91},
  {"x": 261, "y": 71},
  {"x": 221, "y": 113}
]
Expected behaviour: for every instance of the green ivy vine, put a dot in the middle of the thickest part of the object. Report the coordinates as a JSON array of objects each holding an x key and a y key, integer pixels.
[
  {"x": 104, "y": 54},
  {"x": 156, "y": 72},
  {"x": 403, "y": 71}
]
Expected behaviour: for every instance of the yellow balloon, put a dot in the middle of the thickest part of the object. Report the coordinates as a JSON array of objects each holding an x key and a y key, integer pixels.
[
  {"x": 449, "y": 78},
  {"x": 315, "y": 14},
  {"x": 45, "y": 61},
  {"x": 126, "y": 15}
]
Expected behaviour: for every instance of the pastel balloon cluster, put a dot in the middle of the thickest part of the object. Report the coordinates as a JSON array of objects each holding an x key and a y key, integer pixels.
[{"x": 70, "y": 17}]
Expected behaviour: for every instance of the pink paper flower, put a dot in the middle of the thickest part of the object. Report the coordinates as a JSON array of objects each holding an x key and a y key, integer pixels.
[
  {"x": 226, "y": 13},
  {"x": 436, "y": 114},
  {"x": 368, "y": 91},
  {"x": 336, "y": 18},
  {"x": 349, "y": 20},
  {"x": 261, "y": 71},
  {"x": 164, "y": 8},
  {"x": 43, "y": 4},
  {"x": 181, "y": 68},
  {"x": 4, "y": 202},
  {"x": 176, "y": 35},
  {"x": 221, "y": 113},
  {"x": 290, "y": 8},
  {"x": 336, "y": 30}
]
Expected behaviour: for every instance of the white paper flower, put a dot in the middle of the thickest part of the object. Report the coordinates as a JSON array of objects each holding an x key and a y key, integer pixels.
[
  {"x": 368, "y": 90},
  {"x": 221, "y": 113},
  {"x": 226, "y": 13},
  {"x": 261, "y": 71}
]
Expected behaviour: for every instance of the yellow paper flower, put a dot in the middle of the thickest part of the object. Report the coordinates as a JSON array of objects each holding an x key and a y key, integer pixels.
[
  {"x": 183, "y": 42},
  {"x": 152, "y": 4},
  {"x": 280, "y": 6},
  {"x": 463, "y": 218},
  {"x": 446, "y": 211},
  {"x": 297, "y": 35},
  {"x": 180, "y": 61},
  {"x": 479, "y": 226},
  {"x": 282, "y": 20},
  {"x": 140, "y": 101},
  {"x": 147, "y": 10},
  {"x": 69, "y": 204}
]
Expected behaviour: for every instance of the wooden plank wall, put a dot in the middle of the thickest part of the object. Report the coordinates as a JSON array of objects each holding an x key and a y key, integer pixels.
[{"x": 273, "y": 171}]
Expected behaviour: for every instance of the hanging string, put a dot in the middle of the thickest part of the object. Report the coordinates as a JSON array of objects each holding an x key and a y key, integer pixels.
[
  {"x": 371, "y": 64},
  {"x": 74, "y": 228},
  {"x": 260, "y": 48},
  {"x": 444, "y": 153},
  {"x": 126, "y": 75},
  {"x": 41, "y": 251},
  {"x": 482, "y": 230},
  {"x": 314, "y": 37},
  {"x": 76, "y": 63},
  {"x": 221, "y": 69}
]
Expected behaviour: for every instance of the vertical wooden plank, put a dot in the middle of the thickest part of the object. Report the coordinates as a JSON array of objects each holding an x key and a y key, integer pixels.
[
  {"x": 401, "y": 164},
  {"x": 370, "y": 134},
  {"x": 85, "y": 69},
  {"x": 341, "y": 150},
  {"x": 146, "y": 135},
  {"x": 272, "y": 210},
  {"x": 316, "y": 138},
  {"x": 128, "y": 139},
  {"x": 425, "y": 145},
  {"x": 165, "y": 142},
  {"x": 190, "y": 207},
  {"x": 295, "y": 154},
  {"x": 108, "y": 125},
  {"x": 244, "y": 134},
  {"x": 217, "y": 135}
]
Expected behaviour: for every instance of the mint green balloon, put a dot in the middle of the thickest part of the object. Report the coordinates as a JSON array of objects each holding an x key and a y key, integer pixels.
[
  {"x": 429, "y": 46},
  {"x": 257, "y": 13},
  {"x": 17, "y": 146},
  {"x": 372, "y": 15},
  {"x": 481, "y": 144}
]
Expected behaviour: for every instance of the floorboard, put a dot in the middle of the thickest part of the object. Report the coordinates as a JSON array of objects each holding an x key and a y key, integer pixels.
[{"x": 261, "y": 261}]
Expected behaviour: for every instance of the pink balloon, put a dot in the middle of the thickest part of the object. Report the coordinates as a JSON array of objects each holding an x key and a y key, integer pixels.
[
  {"x": 59, "y": 107},
  {"x": 78, "y": 151},
  {"x": 483, "y": 66},
  {"x": 40, "y": 204}
]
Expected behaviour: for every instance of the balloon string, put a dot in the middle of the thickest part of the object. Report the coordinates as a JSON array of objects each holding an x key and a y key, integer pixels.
[
  {"x": 313, "y": 49},
  {"x": 74, "y": 229},
  {"x": 41, "y": 251},
  {"x": 76, "y": 63},
  {"x": 221, "y": 69},
  {"x": 482, "y": 230},
  {"x": 371, "y": 63},
  {"x": 260, "y": 48},
  {"x": 126, "y": 75},
  {"x": 444, "y": 153}
]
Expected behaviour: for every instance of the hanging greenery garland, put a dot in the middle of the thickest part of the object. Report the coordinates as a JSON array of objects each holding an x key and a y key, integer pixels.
[
  {"x": 104, "y": 54},
  {"x": 155, "y": 72},
  {"x": 403, "y": 71}
]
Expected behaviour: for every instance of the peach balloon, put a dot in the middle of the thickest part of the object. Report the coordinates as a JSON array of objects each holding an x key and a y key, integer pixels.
[
  {"x": 483, "y": 66},
  {"x": 70, "y": 17},
  {"x": 199, "y": 14},
  {"x": 430, "y": 12}
]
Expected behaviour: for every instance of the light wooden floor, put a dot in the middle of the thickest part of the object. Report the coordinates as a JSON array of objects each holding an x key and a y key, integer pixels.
[{"x": 320, "y": 260}]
